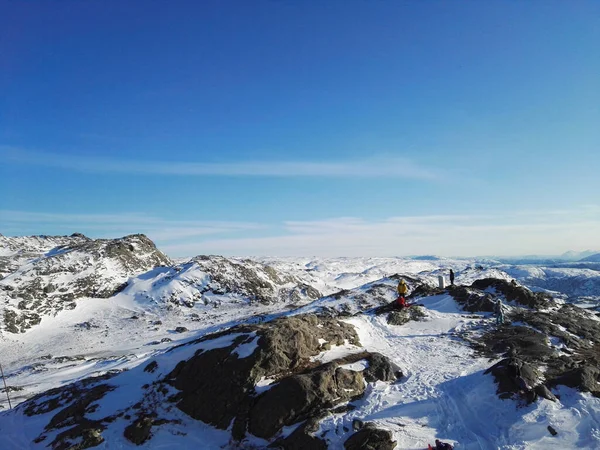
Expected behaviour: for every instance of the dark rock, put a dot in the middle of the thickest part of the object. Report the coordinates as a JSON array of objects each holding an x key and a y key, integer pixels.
[
  {"x": 529, "y": 344},
  {"x": 301, "y": 439},
  {"x": 151, "y": 367},
  {"x": 87, "y": 435},
  {"x": 472, "y": 299},
  {"x": 381, "y": 368},
  {"x": 404, "y": 315},
  {"x": 583, "y": 378},
  {"x": 514, "y": 292},
  {"x": 73, "y": 413},
  {"x": 544, "y": 392},
  {"x": 425, "y": 290},
  {"x": 513, "y": 376},
  {"x": 357, "y": 424},
  {"x": 217, "y": 387},
  {"x": 297, "y": 397},
  {"x": 370, "y": 438},
  {"x": 552, "y": 431},
  {"x": 181, "y": 330},
  {"x": 579, "y": 326},
  {"x": 139, "y": 431}
]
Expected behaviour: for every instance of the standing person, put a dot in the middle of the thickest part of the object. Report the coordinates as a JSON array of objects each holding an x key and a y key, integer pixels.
[
  {"x": 499, "y": 310},
  {"x": 452, "y": 277},
  {"x": 402, "y": 290}
]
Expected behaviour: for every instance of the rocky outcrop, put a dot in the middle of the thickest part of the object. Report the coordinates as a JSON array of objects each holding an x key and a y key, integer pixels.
[
  {"x": 205, "y": 279},
  {"x": 404, "y": 315},
  {"x": 219, "y": 386},
  {"x": 82, "y": 268},
  {"x": 253, "y": 280},
  {"x": 533, "y": 359},
  {"x": 472, "y": 299},
  {"x": 302, "y": 438},
  {"x": 378, "y": 296},
  {"x": 514, "y": 292},
  {"x": 370, "y": 438},
  {"x": 301, "y": 396},
  {"x": 381, "y": 368},
  {"x": 71, "y": 425},
  {"x": 282, "y": 347}
]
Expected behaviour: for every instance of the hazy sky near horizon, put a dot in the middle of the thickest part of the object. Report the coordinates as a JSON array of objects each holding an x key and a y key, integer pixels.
[{"x": 337, "y": 128}]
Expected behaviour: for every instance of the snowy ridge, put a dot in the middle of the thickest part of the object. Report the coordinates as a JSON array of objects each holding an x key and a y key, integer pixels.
[
  {"x": 443, "y": 393},
  {"x": 157, "y": 305}
]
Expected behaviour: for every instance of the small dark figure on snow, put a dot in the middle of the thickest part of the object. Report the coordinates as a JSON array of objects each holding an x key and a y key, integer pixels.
[{"x": 451, "y": 277}]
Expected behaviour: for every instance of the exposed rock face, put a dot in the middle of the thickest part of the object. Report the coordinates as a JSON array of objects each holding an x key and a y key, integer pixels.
[
  {"x": 82, "y": 268},
  {"x": 472, "y": 299},
  {"x": 519, "y": 294},
  {"x": 284, "y": 346},
  {"x": 508, "y": 374},
  {"x": 302, "y": 439},
  {"x": 204, "y": 278},
  {"x": 139, "y": 431},
  {"x": 572, "y": 325},
  {"x": 370, "y": 438},
  {"x": 76, "y": 431},
  {"x": 404, "y": 315},
  {"x": 381, "y": 369},
  {"x": 219, "y": 385},
  {"x": 298, "y": 397},
  {"x": 254, "y": 280},
  {"x": 530, "y": 349}
]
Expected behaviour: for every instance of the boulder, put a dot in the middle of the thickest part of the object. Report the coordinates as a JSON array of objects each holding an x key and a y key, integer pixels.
[
  {"x": 298, "y": 397},
  {"x": 508, "y": 374},
  {"x": 584, "y": 378},
  {"x": 217, "y": 386},
  {"x": 381, "y": 368},
  {"x": 404, "y": 315},
  {"x": 370, "y": 438},
  {"x": 139, "y": 431}
]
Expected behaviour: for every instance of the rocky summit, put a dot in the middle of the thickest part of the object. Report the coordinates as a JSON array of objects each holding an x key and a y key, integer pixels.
[
  {"x": 110, "y": 344},
  {"x": 78, "y": 268}
]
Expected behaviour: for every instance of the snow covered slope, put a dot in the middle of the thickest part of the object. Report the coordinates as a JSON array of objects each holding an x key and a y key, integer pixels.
[
  {"x": 78, "y": 268},
  {"x": 445, "y": 390},
  {"x": 124, "y": 305}
]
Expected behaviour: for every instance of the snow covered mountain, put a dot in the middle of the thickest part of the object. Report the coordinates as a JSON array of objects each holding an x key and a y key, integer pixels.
[
  {"x": 51, "y": 280},
  {"x": 591, "y": 258},
  {"x": 291, "y": 352}
]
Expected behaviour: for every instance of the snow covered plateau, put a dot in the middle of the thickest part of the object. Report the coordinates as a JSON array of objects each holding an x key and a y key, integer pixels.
[{"x": 110, "y": 344}]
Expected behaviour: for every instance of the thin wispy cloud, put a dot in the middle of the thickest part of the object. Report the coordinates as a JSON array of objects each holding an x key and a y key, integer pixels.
[
  {"x": 514, "y": 233},
  {"x": 379, "y": 166},
  {"x": 111, "y": 225},
  {"x": 509, "y": 233}
]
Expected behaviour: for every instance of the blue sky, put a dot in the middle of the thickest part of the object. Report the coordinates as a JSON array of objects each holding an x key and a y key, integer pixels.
[{"x": 304, "y": 127}]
